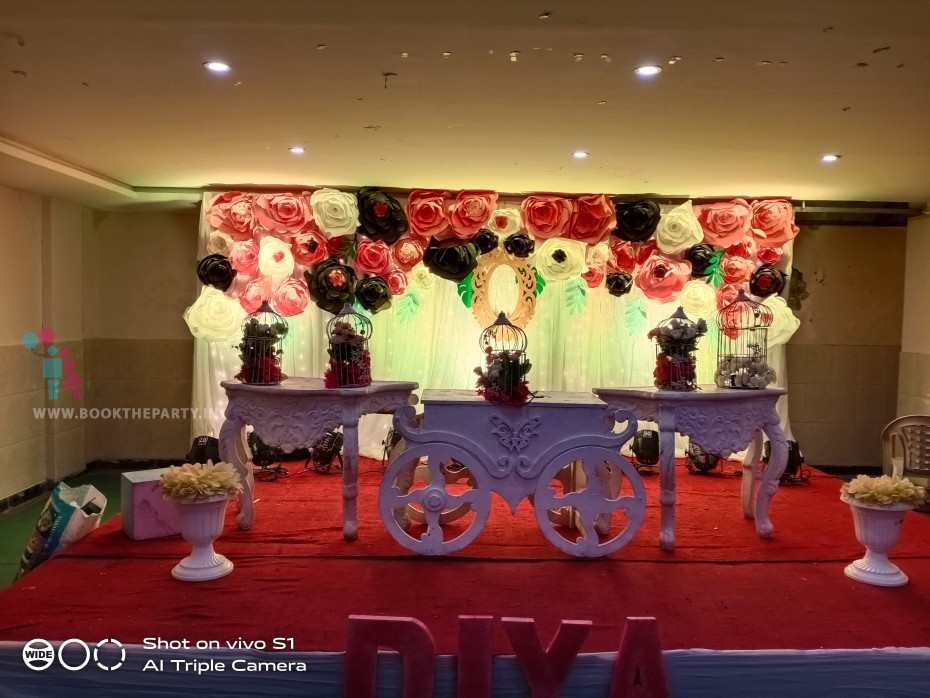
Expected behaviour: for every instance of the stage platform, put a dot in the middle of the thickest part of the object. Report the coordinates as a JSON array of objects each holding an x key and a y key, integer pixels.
[{"x": 722, "y": 589}]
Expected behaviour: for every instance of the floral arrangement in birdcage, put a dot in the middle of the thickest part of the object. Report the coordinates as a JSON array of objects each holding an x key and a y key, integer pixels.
[
  {"x": 349, "y": 360},
  {"x": 742, "y": 349},
  {"x": 503, "y": 378},
  {"x": 676, "y": 343},
  {"x": 260, "y": 349}
]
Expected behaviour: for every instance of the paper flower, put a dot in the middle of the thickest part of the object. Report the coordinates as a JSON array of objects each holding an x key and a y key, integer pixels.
[
  {"x": 735, "y": 270},
  {"x": 726, "y": 294},
  {"x": 331, "y": 284},
  {"x": 253, "y": 295},
  {"x": 622, "y": 256},
  {"x": 193, "y": 481},
  {"x": 470, "y": 212},
  {"x": 698, "y": 299},
  {"x": 766, "y": 281},
  {"x": 486, "y": 241},
  {"x": 887, "y": 489},
  {"x": 519, "y": 245},
  {"x": 773, "y": 222},
  {"x": 408, "y": 252},
  {"x": 308, "y": 247},
  {"x": 335, "y": 212},
  {"x": 231, "y": 213},
  {"x": 244, "y": 257},
  {"x": 637, "y": 220},
  {"x": 559, "y": 259},
  {"x": 215, "y": 270},
  {"x": 397, "y": 282},
  {"x": 661, "y": 277},
  {"x": 422, "y": 277},
  {"x": 592, "y": 219},
  {"x": 426, "y": 213},
  {"x": 214, "y": 317},
  {"x": 290, "y": 298},
  {"x": 275, "y": 258},
  {"x": 373, "y": 258},
  {"x": 593, "y": 277},
  {"x": 745, "y": 248},
  {"x": 700, "y": 256},
  {"x": 769, "y": 255},
  {"x": 644, "y": 250},
  {"x": 284, "y": 214},
  {"x": 678, "y": 229},
  {"x": 220, "y": 243},
  {"x": 373, "y": 294},
  {"x": 598, "y": 255},
  {"x": 724, "y": 223},
  {"x": 451, "y": 261},
  {"x": 545, "y": 216},
  {"x": 619, "y": 283},
  {"x": 784, "y": 323},
  {"x": 505, "y": 221},
  {"x": 380, "y": 215}
]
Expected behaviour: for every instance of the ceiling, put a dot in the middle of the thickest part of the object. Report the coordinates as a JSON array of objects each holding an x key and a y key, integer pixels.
[{"x": 106, "y": 102}]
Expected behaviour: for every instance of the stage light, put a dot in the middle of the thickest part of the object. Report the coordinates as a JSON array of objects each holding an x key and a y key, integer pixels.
[
  {"x": 217, "y": 67},
  {"x": 830, "y": 157},
  {"x": 647, "y": 71}
]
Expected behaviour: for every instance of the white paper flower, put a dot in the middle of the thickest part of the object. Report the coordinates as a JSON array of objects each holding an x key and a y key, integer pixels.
[
  {"x": 275, "y": 257},
  {"x": 422, "y": 277},
  {"x": 335, "y": 213},
  {"x": 679, "y": 229},
  {"x": 698, "y": 299},
  {"x": 219, "y": 243},
  {"x": 214, "y": 317},
  {"x": 598, "y": 255},
  {"x": 558, "y": 259},
  {"x": 784, "y": 323},
  {"x": 505, "y": 221}
]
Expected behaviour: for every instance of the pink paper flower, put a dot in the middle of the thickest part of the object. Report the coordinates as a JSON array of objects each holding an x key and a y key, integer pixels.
[
  {"x": 593, "y": 218},
  {"x": 231, "y": 213},
  {"x": 594, "y": 277},
  {"x": 426, "y": 214},
  {"x": 244, "y": 257},
  {"x": 471, "y": 211},
  {"x": 545, "y": 216},
  {"x": 309, "y": 247},
  {"x": 253, "y": 295},
  {"x": 724, "y": 223},
  {"x": 773, "y": 222},
  {"x": 373, "y": 257},
  {"x": 735, "y": 269},
  {"x": 726, "y": 294},
  {"x": 744, "y": 248},
  {"x": 290, "y": 298},
  {"x": 662, "y": 277},
  {"x": 397, "y": 282},
  {"x": 408, "y": 252},
  {"x": 623, "y": 256},
  {"x": 770, "y": 255},
  {"x": 644, "y": 250},
  {"x": 284, "y": 214}
]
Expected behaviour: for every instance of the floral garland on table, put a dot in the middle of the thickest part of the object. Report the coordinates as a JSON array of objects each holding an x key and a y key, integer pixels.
[{"x": 332, "y": 247}]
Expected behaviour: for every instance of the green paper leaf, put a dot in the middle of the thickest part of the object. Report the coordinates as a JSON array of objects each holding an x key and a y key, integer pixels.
[
  {"x": 540, "y": 283},
  {"x": 576, "y": 295},
  {"x": 634, "y": 315},
  {"x": 466, "y": 291},
  {"x": 409, "y": 304},
  {"x": 714, "y": 272}
]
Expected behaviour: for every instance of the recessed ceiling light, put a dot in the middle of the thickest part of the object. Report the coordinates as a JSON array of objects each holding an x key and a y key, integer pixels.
[
  {"x": 580, "y": 154},
  {"x": 830, "y": 158},
  {"x": 647, "y": 71},
  {"x": 297, "y": 150},
  {"x": 216, "y": 67}
]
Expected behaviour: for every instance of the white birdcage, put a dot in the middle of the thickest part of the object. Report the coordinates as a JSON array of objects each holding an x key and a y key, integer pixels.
[
  {"x": 260, "y": 349},
  {"x": 348, "y": 333},
  {"x": 676, "y": 345},
  {"x": 742, "y": 349},
  {"x": 505, "y": 363}
]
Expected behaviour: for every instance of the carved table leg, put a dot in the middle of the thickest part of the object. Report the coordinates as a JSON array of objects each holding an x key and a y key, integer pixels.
[
  {"x": 350, "y": 477},
  {"x": 234, "y": 450},
  {"x": 771, "y": 475},
  {"x": 667, "y": 476},
  {"x": 750, "y": 473}
]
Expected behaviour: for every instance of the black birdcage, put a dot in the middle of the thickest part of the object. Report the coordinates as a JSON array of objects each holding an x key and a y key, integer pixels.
[
  {"x": 349, "y": 361},
  {"x": 260, "y": 349},
  {"x": 742, "y": 350},
  {"x": 676, "y": 345},
  {"x": 503, "y": 378}
]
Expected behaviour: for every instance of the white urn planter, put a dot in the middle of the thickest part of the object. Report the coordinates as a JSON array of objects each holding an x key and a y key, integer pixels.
[
  {"x": 201, "y": 522},
  {"x": 877, "y": 528}
]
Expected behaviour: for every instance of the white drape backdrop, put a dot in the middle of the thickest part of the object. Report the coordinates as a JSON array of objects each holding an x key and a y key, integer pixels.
[{"x": 600, "y": 346}]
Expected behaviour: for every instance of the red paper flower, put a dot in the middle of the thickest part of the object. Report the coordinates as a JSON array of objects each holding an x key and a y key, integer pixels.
[
  {"x": 622, "y": 257},
  {"x": 309, "y": 247},
  {"x": 744, "y": 248},
  {"x": 426, "y": 214},
  {"x": 594, "y": 277},
  {"x": 644, "y": 250},
  {"x": 471, "y": 212},
  {"x": 284, "y": 214},
  {"x": 545, "y": 216},
  {"x": 724, "y": 223},
  {"x": 769, "y": 255},
  {"x": 662, "y": 277},
  {"x": 773, "y": 222},
  {"x": 726, "y": 294},
  {"x": 397, "y": 282},
  {"x": 253, "y": 295},
  {"x": 244, "y": 257},
  {"x": 408, "y": 252},
  {"x": 593, "y": 218},
  {"x": 735, "y": 270},
  {"x": 373, "y": 257}
]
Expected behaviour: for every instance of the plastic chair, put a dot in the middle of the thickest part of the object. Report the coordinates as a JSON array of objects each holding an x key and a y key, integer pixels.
[{"x": 912, "y": 434}]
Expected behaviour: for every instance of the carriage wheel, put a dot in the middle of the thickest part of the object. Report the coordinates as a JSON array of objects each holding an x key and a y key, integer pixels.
[
  {"x": 608, "y": 506},
  {"x": 452, "y": 513}
]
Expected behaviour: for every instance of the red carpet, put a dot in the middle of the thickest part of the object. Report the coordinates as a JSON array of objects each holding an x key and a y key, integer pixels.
[{"x": 295, "y": 577}]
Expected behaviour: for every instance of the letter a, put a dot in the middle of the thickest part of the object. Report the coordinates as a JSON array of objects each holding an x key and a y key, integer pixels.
[
  {"x": 408, "y": 636},
  {"x": 545, "y": 669},
  {"x": 639, "y": 671}
]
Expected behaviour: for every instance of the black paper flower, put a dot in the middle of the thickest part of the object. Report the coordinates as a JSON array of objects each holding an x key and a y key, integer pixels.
[
  {"x": 380, "y": 216},
  {"x": 373, "y": 294},
  {"x": 619, "y": 283},
  {"x": 766, "y": 281},
  {"x": 637, "y": 221},
  {"x": 331, "y": 284},
  {"x": 485, "y": 240},
  {"x": 520, "y": 245},
  {"x": 451, "y": 261},
  {"x": 700, "y": 257},
  {"x": 216, "y": 270}
]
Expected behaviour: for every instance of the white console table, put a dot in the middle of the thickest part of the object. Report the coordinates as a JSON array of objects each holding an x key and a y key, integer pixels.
[
  {"x": 723, "y": 421},
  {"x": 296, "y": 414}
]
